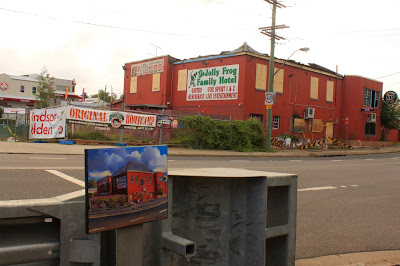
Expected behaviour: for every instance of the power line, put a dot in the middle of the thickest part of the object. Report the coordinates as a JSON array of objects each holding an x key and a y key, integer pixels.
[
  {"x": 388, "y": 75},
  {"x": 95, "y": 24}
]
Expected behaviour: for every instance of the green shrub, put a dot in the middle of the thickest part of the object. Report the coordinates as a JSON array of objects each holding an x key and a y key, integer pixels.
[
  {"x": 205, "y": 133},
  {"x": 90, "y": 135},
  {"x": 286, "y": 135}
]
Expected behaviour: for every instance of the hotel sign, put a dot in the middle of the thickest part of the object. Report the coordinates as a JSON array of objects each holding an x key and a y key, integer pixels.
[{"x": 213, "y": 83}]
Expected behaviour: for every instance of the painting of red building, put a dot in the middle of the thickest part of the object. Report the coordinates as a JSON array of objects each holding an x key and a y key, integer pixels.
[{"x": 123, "y": 182}]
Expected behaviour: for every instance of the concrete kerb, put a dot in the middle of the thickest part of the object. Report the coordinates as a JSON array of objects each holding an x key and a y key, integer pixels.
[{"x": 77, "y": 149}]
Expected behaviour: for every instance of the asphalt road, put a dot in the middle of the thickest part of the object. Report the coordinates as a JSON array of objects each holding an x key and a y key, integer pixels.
[{"x": 345, "y": 204}]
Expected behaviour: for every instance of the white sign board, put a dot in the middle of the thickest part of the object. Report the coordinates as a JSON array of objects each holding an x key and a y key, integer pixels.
[
  {"x": 47, "y": 123},
  {"x": 115, "y": 119},
  {"x": 270, "y": 98},
  {"x": 146, "y": 68},
  {"x": 213, "y": 83},
  {"x": 20, "y": 111}
]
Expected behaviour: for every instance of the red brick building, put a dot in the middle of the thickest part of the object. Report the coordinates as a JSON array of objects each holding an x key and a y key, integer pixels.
[{"x": 312, "y": 101}]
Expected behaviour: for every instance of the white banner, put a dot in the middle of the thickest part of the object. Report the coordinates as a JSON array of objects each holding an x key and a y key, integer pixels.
[
  {"x": 115, "y": 119},
  {"x": 146, "y": 68},
  {"x": 47, "y": 123},
  {"x": 213, "y": 83}
]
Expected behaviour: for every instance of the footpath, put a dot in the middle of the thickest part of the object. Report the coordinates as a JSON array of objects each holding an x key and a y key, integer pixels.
[{"x": 376, "y": 258}]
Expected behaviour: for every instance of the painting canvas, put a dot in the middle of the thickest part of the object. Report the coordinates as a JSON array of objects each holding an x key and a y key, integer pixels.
[{"x": 125, "y": 186}]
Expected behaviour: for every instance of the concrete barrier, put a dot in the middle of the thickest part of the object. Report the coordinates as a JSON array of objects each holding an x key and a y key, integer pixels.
[{"x": 216, "y": 216}]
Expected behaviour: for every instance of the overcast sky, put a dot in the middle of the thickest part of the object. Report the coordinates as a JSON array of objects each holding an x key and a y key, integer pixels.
[{"x": 91, "y": 40}]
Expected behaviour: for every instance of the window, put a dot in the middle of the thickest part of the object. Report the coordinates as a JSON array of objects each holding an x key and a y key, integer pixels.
[
  {"x": 149, "y": 179},
  {"x": 133, "y": 88},
  {"x": 141, "y": 182},
  {"x": 329, "y": 91},
  {"x": 132, "y": 179},
  {"x": 156, "y": 82},
  {"x": 275, "y": 122},
  {"x": 297, "y": 125},
  {"x": 261, "y": 77},
  {"x": 278, "y": 80},
  {"x": 371, "y": 98},
  {"x": 257, "y": 116},
  {"x": 370, "y": 128},
  {"x": 145, "y": 179},
  {"x": 22, "y": 89},
  {"x": 160, "y": 178},
  {"x": 136, "y": 179},
  {"x": 33, "y": 90},
  {"x": 314, "y": 88},
  {"x": 182, "y": 79}
]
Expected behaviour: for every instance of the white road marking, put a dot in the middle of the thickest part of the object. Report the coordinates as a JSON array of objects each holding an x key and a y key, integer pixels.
[
  {"x": 337, "y": 160},
  {"x": 369, "y": 159},
  {"x": 137, "y": 219},
  {"x": 67, "y": 177},
  {"x": 316, "y": 188},
  {"x": 163, "y": 211},
  {"x": 171, "y": 160},
  {"x": 42, "y": 168},
  {"x": 342, "y": 186},
  {"x": 354, "y": 185},
  {"x": 48, "y": 158},
  {"x": 395, "y": 158},
  {"x": 71, "y": 195},
  {"x": 295, "y": 160}
]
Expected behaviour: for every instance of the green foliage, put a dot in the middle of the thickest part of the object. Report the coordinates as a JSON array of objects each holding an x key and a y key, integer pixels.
[
  {"x": 45, "y": 89},
  {"x": 205, "y": 133},
  {"x": 286, "y": 135},
  {"x": 390, "y": 118},
  {"x": 105, "y": 95},
  {"x": 109, "y": 202},
  {"x": 90, "y": 135}
]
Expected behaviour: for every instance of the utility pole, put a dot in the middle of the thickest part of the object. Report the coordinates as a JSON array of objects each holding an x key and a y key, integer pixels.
[{"x": 270, "y": 31}]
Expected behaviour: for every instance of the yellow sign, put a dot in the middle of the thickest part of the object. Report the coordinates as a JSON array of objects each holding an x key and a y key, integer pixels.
[{"x": 268, "y": 107}]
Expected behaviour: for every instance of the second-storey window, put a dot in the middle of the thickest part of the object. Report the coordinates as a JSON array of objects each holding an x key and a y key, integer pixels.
[
  {"x": 22, "y": 88},
  {"x": 371, "y": 98}
]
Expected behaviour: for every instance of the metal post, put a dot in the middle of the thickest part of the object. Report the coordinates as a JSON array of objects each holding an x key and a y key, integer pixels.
[
  {"x": 161, "y": 130},
  {"x": 347, "y": 131},
  {"x": 16, "y": 125},
  {"x": 271, "y": 77},
  {"x": 121, "y": 132}
]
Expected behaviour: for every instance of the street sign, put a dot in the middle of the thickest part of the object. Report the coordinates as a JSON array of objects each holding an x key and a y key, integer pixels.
[
  {"x": 367, "y": 109},
  {"x": 390, "y": 97},
  {"x": 270, "y": 98},
  {"x": 347, "y": 120}
]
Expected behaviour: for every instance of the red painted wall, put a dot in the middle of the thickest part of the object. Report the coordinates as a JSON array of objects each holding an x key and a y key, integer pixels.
[
  {"x": 144, "y": 94},
  {"x": 352, "y": 103}
]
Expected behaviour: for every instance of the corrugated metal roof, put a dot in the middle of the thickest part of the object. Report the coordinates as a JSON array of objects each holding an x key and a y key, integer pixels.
[
  {"x": 133, "y": 166},
  {"x": 24, "y": 78}
]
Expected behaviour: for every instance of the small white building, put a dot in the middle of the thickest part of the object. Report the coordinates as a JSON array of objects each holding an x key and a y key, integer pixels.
[{"x": 20, "y": 91}]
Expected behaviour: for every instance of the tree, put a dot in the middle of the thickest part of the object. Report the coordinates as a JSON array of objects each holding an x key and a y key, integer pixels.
[
  {"x": 390, "y": 117},
  {"x": 105, "y": 95},
  {"x": 45, "y": 89}
]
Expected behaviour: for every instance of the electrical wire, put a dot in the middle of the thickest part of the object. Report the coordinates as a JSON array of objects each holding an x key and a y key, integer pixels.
[{"x": 388, "y": 75}]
